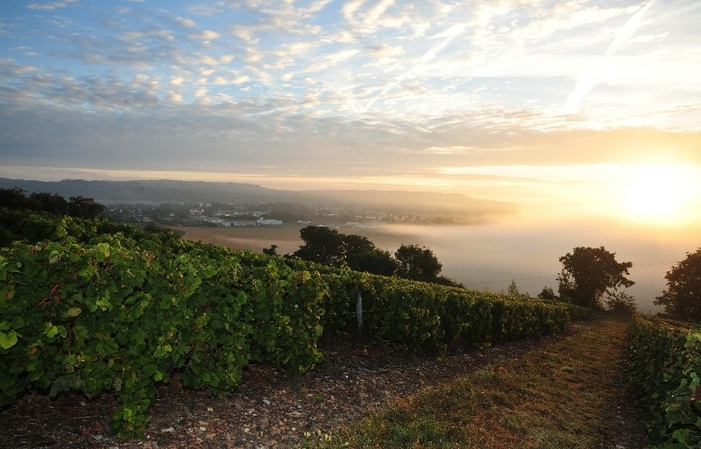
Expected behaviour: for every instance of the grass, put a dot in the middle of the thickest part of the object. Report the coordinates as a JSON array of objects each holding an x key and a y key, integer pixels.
[{"x": 562, "y": 394}]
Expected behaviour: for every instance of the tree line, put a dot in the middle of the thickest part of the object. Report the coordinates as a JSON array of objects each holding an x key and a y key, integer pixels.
[
  {"x": 52, "y": 203},
  {"x": 329, "y": 247},
  {"x": 593, "y": 278}
]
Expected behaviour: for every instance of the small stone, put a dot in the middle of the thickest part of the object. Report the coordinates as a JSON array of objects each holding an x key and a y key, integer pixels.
[
  {"x": 266, "y": 402},
  {"x": 203, "y": 429}
]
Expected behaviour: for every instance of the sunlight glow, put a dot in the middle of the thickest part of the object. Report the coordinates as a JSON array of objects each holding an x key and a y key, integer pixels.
[{"x": 660, "y": 193}]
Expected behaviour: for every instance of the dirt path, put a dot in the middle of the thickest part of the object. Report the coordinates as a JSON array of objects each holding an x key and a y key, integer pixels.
[
  {"x": 569, "y": 393},
  {"x": 272, "y": 410}
]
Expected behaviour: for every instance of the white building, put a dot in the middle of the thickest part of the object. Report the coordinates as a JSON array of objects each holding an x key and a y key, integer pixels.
[{"x": 268, "y": 222}]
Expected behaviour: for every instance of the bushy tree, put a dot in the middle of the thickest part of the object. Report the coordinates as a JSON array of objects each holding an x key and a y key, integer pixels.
[
  {"x": 547, "y": 293},
  {"x": 82, "y": 207},
  {"x": 363, "y": 255},
  {"x": 321, "y": 245},
  {"x": 357, "y": 248},
  {"x": 417, "y": 263},
  {"x": 512, "y": 290},
  {"x": 620, "y": 302},
  {"x": 682, "y": 298},
  {"x": 14, "y": 199},
  {"x": 329, "y": 247},
  {"x": 588, "y": 273},
  {"x": 272, "y": 251},
  {"x": 49, "y": 202}
]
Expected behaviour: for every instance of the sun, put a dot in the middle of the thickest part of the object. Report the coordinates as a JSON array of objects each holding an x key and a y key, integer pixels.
[{"x": 660, "y": 193}]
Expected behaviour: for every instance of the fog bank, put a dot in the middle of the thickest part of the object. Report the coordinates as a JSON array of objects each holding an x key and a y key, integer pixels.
[{"x": 527, "y": 250}]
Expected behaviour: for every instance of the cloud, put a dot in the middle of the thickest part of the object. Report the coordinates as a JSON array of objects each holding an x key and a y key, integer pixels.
[
  {"x": 204, "y": 35},
  {"x": 185, "y": 22},
  {"x": 377, "y": 11},
  {"x": 350, "y": 7},
  {"x": 50, "y": 6}
]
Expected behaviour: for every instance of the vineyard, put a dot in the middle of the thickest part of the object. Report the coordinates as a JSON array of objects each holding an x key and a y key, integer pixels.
[
  {"x": 666, "y": 362},
  {"x": 96, "y": 307}
]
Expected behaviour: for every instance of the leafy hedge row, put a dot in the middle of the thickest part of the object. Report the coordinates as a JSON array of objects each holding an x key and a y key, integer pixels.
[
  {"x": 100, "y": 307},
  {"x": 432, "y": 317},
  {"x": 111, "y": 317},
  {"x": 666, "y": 364}
]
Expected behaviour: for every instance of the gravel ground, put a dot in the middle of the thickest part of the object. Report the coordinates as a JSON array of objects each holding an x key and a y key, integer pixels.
[{"x": 270, "y": 409}]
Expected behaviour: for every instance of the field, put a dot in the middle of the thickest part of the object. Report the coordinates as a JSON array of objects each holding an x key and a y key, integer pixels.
[
  {"x": 253, "y": 238},
  {"x": 286, "y": 237}
]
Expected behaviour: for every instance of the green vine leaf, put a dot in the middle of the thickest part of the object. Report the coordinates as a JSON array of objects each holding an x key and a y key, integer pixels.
[
  {"x": 73, "y": 312},
  {"x": 8, "y": 339}
]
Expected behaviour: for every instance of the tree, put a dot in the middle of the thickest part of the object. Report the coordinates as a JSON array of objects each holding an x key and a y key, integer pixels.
[
  {"x": 321, "y": 245},
  {"x": 513, "y": 289},
  {"x": 329, "y": 247},
  {"x": 81, "y": 207},
  {"x": 356, "y": 247},
  {"x": 376, "y": 261},
  {"x": 272, "y": 251},
  {"x": 588, "y": 273},
  {"x": 620, "y": 302},
  {"x": 14, "y": 199},
  {"x": 49, "y": 202},
  {"x": 682, "y": 298},
  {"x": 547, "y": 293},
  {"x": 417, "y": 263},
  {"x": 363, "y": 255}
]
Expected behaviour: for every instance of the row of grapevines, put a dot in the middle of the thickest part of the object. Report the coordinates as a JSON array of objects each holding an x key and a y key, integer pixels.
[
  {"x": 109, "y": 316},
  {"x": 430, "y": 316},
  {"x": 34, "y": 226},
  {"x": 665, "y": 368}
]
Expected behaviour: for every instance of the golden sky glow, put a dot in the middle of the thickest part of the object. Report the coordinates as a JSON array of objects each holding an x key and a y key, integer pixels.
[
  {"x": 664, "y": 194},
  {"x": 578, "y": 105}
]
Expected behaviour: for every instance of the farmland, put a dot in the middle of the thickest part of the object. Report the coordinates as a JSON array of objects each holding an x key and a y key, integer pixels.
[{"x": 286, "y": 237}]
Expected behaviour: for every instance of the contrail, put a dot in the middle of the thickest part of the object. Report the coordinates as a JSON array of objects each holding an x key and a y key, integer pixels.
[
  {"x": 587, "y": 81},
  {"x": 430, "y": 54},
  {"x": 628, "y": 30}
]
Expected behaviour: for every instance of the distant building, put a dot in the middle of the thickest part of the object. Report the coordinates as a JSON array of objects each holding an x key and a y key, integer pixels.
[{"x": 268, "y": 222}]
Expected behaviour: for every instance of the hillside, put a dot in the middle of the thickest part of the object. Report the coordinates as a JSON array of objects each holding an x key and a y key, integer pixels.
[{"x": 170, "y": 191}]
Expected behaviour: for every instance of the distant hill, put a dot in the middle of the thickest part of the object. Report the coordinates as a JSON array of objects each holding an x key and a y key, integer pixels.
[
  {"x": 148, "y": 191},
  {"x": 170, "y": 191}
]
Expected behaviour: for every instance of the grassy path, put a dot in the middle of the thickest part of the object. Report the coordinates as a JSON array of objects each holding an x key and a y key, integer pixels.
[{"x": 567, "y": 393}]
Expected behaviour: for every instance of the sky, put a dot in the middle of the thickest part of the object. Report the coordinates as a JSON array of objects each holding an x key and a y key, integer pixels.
[{"x": 566, "y": 103}]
